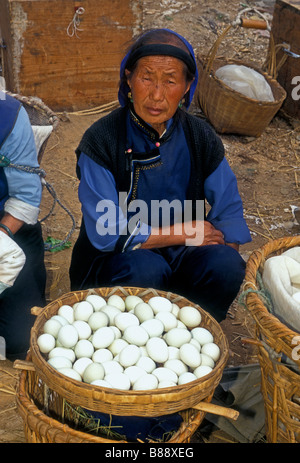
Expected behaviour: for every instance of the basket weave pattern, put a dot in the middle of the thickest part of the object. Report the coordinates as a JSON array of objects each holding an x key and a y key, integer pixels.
[
  {"x": 48, "y": 426},
  {"x": 276, "y": 345},
  {"x": 132, "y": 403}
]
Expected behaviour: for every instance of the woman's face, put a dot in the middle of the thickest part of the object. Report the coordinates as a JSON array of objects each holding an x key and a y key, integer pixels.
[{"x": 157, "y": 85}]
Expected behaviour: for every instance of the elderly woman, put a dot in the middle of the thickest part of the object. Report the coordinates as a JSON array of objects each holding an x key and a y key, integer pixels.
[{"x": 137, "y": 166}]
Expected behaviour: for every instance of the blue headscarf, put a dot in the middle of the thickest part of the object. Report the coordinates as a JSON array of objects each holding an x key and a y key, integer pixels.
[{"x": 124, "y": 88}]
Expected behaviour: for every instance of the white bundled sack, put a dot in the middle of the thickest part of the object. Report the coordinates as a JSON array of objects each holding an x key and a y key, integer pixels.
[
  {"x": 281, "y": 277},
  {"x": 246, "y": 81},
  {"x": 12, "y": 260}
]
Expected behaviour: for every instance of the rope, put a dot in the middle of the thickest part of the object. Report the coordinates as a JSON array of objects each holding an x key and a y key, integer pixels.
[
  {"x": 262, "y": 292},
  {"x": 238, "y": 20},
  {"x": 73, "y": 26},
  {"x": 5, "y": 162}
]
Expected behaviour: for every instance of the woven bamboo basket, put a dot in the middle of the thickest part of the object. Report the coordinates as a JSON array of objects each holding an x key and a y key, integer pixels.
[
  {"x": 39, "y": 114},
  {"x": 132, "y": 403},
  {"x": 277, "y": 350},
  {"x": 42, "y": 412},
  {"x": 228, "y": 110}
]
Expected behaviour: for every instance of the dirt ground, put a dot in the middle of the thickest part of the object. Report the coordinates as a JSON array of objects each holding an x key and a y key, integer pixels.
[{"x": 266, "y": 169}]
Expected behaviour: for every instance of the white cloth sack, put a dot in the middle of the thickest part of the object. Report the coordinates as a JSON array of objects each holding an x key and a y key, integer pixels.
[
  {"x": 281, "y": 277},
  {"x": 12, "y": 260},
  {"x": 41, "y": 133},
  {"x": 246, "y": 80}
]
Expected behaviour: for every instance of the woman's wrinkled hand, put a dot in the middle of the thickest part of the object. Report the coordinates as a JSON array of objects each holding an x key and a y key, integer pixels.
[{"x": 202, "y": 233}]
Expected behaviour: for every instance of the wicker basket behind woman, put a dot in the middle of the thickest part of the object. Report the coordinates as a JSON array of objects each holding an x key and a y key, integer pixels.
[{"x": 278, "y": 351}]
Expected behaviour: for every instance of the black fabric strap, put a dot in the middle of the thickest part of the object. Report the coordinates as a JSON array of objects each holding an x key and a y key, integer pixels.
[{"x": 161, "y": 49}]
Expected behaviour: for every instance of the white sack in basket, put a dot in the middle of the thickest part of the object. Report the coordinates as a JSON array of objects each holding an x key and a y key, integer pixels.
[
  {"x": 281, "y": 277},
  {"x": 246, "y": 81}
]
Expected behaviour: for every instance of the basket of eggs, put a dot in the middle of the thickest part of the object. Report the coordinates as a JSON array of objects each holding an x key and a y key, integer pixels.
[{"x": 124, "y": 352}]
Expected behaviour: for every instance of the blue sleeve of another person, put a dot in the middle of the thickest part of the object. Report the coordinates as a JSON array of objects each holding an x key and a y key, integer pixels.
[
  {"x": 226, "y": 213},
  {"x": 20, "y": 148},
  {"x": 103, "y": 217}
]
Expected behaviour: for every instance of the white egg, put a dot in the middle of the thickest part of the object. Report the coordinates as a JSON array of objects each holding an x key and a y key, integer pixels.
[
  {"x": 134, "y": 372},
  {"x": 83, "y": 329},
  {"x": 102, "y": 355},
  {"x": 70, "y": 373},
  {"x": 117, "y": 345},
  {"x": 175, "y": 309},
  {"x": 145, "y": 382},
  {"x": 92, "y": 372},
  {"x": 143, "y": 351},
  {"x": 136, "y": 335},
  {"x": 103, "y": 337},
  {"x": 212, "y": 350},
  {"x": 181, "y": 325},
  {"x": 173, "y": 352},
  {"x": 159, "y": 303},
  {"x": 68, "y": 336},
  {"x": 166, "y": 383},
  {"x": 111, "y": 312},
  {"x": 168, "y": 320},
  {"x": 164, "y": 374},
  {"x": 67, "y": 312},
  {"x": 52, "y": 327},
  {"x": 97, "y": 320},
  {"x": 117, "y": 332},
  {"x": 116, "y": 301},
  {"x": 202, "y": 335},
  {"x": 97, "y": 301},
  {"x": 153, "y": 327},
  {"x": 83, "y": 311},
  {"x": 131, "y": 301},
  {"x": 190, "y": 355},
  {"x": 118, "y": 381},
  {"x": 81, "y": 364},
  {"x": 46, "y": 342},
  {"x": 176, "y": 365},
  {"x": 157, "y": 349},
  {"x": 196, "y": 343},
  {"x": 143, "y": 311},
  {"x": 62, "y": 352},
  {"x": 84, "y": 348},
  {"x": 111, "y": 366},
  {"x": 129, "y": 355},
  {"x": 60, "y": 362},
  {"x": 177, "y": 337},
  {"x": 146, "y": 364},
  {"x": 125, "y": 319},
  {"x": 100, "y": 383},
  {"x": 190, "y": 316},
  {"x": 202, "y": 370},
  {"x": 60, "y": 319},
  {"x": 207, "y": 360},
  {"x": 186, "y": 377}
]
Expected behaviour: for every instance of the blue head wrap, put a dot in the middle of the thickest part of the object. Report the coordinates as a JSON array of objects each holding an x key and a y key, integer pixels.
[{"x": 124, "y": 88}]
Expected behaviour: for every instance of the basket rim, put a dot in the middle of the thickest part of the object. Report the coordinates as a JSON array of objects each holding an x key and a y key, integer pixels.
[
  {"x": 133, "y": 398},
  {"x": 254, "y": 263},
  {"x": 237, "y": 95}
]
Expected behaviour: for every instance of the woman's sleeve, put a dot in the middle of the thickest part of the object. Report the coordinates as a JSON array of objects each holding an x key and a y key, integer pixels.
[
  {"x": 24, "y": 188},
  {"x": 226, "y": 213},
  {"x": 105, "y": 219}
]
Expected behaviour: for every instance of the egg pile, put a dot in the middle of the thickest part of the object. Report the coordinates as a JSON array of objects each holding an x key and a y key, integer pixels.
[{"x": 129, "y": 344}]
